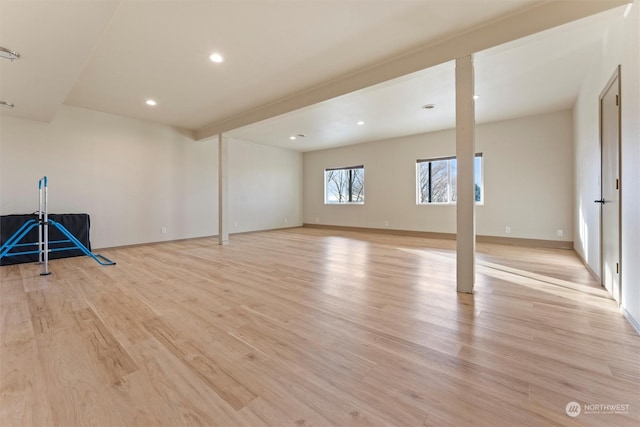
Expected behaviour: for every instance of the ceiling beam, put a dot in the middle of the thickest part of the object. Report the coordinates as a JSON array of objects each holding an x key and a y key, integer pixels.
[{"x": 530, "y": 21}]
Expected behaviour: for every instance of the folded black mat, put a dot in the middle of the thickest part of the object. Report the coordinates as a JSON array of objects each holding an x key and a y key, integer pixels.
[{"x": 77, "y": 224}]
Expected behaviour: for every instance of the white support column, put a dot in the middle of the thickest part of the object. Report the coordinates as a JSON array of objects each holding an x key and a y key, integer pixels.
[
  {"x": 223, "y": 206},
  {"x": 465, "y": 155}
]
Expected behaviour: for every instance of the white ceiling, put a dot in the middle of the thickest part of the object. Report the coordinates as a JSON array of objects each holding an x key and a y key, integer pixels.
[
  {"x": 112, "y": 55},
  {"x": 55, "y": 40},
  {"x": 532, "y": 75}
]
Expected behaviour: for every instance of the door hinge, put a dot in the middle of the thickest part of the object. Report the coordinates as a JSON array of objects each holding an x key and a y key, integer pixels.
[
  {"x": 617, "y": 268},
  {"x": 617, "y": 184},
  {"x": 617, "y": 100}
]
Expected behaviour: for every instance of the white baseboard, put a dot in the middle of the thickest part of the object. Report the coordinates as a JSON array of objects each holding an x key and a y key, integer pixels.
[{"x": 631, "y": 320}]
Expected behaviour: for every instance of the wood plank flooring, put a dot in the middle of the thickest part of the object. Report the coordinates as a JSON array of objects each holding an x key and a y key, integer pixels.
[{"x": 306, "y": 327}]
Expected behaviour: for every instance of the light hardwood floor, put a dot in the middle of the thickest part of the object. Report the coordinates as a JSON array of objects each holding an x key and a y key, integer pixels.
[{"x": 306, "y": 327}]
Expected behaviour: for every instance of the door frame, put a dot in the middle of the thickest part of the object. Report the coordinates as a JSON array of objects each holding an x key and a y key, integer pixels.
[{"x": 616, "y": 75}]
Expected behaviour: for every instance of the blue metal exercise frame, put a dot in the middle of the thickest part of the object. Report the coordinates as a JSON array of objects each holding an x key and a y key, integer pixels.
[{"x": 43, "y": 242}]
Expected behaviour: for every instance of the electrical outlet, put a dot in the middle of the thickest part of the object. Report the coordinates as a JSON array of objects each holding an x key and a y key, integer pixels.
[
  {"x": 163, "y": 230},
  {"x": 507, "y": 229},
  {"x": 286, "y": 220},
  {"x": 317, "y": 219},
  {"x": 560, "y": 233},
  {"x": 235, "y": 224},
  {"x": 386, "y": 223}
]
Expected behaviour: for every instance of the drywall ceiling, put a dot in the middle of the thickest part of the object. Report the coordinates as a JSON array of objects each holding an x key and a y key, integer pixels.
[
  {"x": 528, "y": 76},
  {"x": 55, "y": 41},
  {"x": 111, "y": 56}
]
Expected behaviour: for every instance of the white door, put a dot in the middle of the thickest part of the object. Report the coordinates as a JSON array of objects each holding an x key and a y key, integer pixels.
[{"x": 610, "y": 187}]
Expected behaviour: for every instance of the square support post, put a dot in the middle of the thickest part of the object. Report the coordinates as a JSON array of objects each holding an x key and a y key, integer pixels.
[
  {"x": 223, "y": 185},
  {"x": 465, "y": 156}
]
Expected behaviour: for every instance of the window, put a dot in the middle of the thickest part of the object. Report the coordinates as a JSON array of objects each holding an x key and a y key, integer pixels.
[
  {"x": 344, "y": 185},
  {"x": 437, "y": 180}
]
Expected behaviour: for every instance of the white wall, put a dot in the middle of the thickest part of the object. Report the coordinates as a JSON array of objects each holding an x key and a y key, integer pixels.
[
  {"x": 620, "y": 47},
  {"x": 528, "y": 180},
  {"x": 134, "y": 177},
  {"x": 265, "y": 187}
]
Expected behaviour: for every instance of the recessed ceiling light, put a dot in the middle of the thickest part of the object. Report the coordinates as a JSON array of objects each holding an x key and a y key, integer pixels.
[
  {"x": 429, "y": 106},
  {"x": 216, "y": 57},
  {"x": 292, "y": 137},
  {"x": 151, "y": 102},
  {"x": 6, "y": 104},
  {"x": 476, "y": 96},
  {"x": 8, "y": 54},
  {"x": 360, "y": 123}
]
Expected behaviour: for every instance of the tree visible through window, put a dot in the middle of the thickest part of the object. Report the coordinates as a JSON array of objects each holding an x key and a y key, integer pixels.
[
  {"x": 344, "y": 185},
  {"x": 437, "y": 180}
]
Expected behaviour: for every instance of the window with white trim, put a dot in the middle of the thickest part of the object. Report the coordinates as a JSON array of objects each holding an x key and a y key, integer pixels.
[
  {"x": 436, "y": 180},
  {"x": 344, "y": 185}
]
